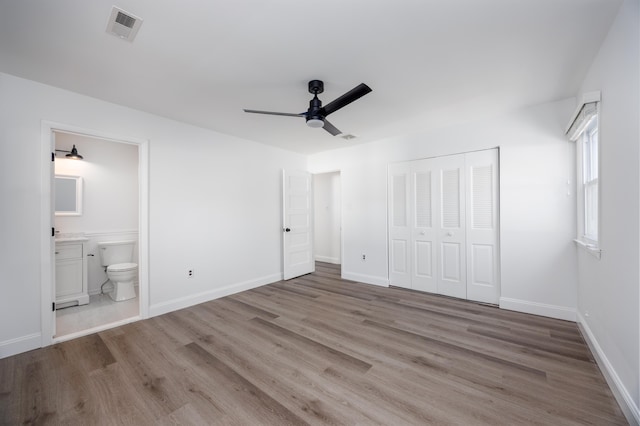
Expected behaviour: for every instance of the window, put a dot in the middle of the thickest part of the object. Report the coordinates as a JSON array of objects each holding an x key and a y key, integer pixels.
[
  {"x": 590, "y": 180},
  {"x": 583, "y": 129}
]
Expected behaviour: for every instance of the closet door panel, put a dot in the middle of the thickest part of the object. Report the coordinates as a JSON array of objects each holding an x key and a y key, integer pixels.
[
  {"x": 451, "y": 227},
  {"x": 399, "y": 257},
  {"x": 482, "y": 230},
  {"x": 399, "y": 213},
  {"x": 481, "y": 268},
  {"x": 451, "y": 262},
  {"x": 423, "y": 235},
  {"x": 424, "y": 255}
]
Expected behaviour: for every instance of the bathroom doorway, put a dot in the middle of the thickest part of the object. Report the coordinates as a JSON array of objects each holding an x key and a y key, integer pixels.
[
  {"x": 110, "y": 206},
  {"x": 327, "y": 217}
]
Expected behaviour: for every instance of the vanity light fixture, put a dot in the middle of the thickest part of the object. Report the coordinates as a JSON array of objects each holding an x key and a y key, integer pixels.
[{"x": 73, "y": 154}]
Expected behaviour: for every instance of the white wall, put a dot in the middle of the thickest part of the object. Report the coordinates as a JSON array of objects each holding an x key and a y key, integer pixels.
[
  {"x": 110, "y": 174},
  {"x": 110, "y": 204},
  {"x": 608, "y": 289},
  {"x": 214, "y": 204},
  {"x": 326, "y": 196},
  {"x": 537, "y": 205}
]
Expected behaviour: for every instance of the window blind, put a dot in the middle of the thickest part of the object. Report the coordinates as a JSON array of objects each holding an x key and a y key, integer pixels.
[{"x": 582, "y": 120}]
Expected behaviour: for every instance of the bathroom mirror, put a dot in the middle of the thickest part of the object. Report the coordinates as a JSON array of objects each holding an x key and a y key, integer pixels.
[{"x": 68, "y": 190}]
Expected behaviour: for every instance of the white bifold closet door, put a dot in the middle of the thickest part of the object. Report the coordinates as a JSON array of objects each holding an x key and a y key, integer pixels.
[
  {"x": 399, "y": 224},
  {"x": 483, "y": 255},
  {"x": 443, "y": 231}
]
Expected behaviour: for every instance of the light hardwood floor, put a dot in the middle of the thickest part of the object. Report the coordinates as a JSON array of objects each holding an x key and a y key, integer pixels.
[{"x": 316, "y": 350}]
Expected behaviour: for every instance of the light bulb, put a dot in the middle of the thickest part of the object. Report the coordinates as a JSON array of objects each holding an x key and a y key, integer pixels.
[{"x": 315, "y": 123}]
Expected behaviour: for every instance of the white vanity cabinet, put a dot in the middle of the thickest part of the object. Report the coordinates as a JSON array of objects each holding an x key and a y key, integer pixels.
[{"x": 71, "y": 273}]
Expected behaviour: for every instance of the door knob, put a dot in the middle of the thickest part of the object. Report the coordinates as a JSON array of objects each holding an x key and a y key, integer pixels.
[
  {"x": 287, "y": 230},
  {"x": 422, "y": 232},
  {"x": 449, "y": 234}
]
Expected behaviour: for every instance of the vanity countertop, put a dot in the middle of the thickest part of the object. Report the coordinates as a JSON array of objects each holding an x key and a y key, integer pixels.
[{"x": 71, "y": 237}]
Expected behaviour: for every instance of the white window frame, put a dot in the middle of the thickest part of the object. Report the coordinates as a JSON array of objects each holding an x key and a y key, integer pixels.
[
  {"x": 589, "y": 228},
  {"x": 583, "y": 127}
]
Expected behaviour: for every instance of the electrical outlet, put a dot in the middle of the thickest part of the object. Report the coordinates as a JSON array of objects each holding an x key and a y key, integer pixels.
[
  {"x": 364, "y": 257},
  {"x": 190, "y": 273}
]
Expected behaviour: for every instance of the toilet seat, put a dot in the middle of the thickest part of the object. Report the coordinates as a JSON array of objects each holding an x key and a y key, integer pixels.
[{"x": 122, "y": 267}]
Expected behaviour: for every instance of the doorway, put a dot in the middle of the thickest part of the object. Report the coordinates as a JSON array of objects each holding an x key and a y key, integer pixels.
[
  {"x": 112, "y": 208},
  {"x": 327, "y": 217}
]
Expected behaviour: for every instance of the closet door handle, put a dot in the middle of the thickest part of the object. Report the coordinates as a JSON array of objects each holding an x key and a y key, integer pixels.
[{"x": 287, "y": 230}]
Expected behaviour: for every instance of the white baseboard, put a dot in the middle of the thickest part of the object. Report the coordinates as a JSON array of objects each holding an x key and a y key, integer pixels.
[
  {"x": 97, "y": 291},
  {"x": 108, "y": 288},
  {"x": 552, "y": 311},
  {"x": 326, "y": 259},
  {"x": 622, "y": 395},
  {"x": 367, "y": 279},
  {"x": 185, "y": 302},
  {"x": 20, "y": 344}
]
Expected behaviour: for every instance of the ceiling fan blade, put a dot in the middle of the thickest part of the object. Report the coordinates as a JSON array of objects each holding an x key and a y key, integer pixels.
[
  {"x": 330, "y": 128},
  {"x": 344, "y": 100},
  {"x": 288, "y": 114}
]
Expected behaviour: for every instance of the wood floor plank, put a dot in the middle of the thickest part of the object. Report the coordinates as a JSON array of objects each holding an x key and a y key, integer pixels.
[
  {"x": 559, "y": 349},
  {"x": 113, "y": 400},
  {"x": 147, "y": 372},
  {"x": 316, "y": 350},
  {"x": 338, "y": 357},
  {"x": 248, "y": 396},
  {"x": 300, "y": 390},
  {"x": 250, "y": 309},
  {"x": 89, "y": 352}
]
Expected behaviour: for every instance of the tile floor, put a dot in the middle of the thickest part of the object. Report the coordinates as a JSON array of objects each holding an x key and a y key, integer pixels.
[{"x": 100, "y": 310}]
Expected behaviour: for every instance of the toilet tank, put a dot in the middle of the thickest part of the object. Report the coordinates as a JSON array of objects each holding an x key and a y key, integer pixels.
[{"x": 112, "y": 252}]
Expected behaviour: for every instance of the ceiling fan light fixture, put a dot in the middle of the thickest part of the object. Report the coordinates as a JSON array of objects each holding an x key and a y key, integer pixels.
[
  {"x": 316, "y": 115},
  {"x": 315, "y": 123}
]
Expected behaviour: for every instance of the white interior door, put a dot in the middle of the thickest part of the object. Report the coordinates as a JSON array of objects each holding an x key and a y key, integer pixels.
[
  {"x": 482, "y": 226},
  {"x": 451, "y": 227},
  {"x": 399, "y": 225},
  {"x": 424, "y": 270},
  {"x": 297, "y": 224}
]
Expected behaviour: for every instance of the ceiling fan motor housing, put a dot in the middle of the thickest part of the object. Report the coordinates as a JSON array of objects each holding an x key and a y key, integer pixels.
[
  {"x": 314, "y": 115},
  {"x": 316, "y": 87}
]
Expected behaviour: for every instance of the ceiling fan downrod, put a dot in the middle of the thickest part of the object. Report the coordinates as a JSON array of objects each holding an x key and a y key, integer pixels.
[{"x": 314, "y": 113}]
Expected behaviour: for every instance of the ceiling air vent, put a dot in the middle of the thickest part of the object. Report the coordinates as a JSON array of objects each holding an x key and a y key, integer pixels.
[{"x": 123, "y": 24}]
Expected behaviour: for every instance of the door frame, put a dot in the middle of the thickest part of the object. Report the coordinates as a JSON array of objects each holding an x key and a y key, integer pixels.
[{"x": 47, "y": 260}]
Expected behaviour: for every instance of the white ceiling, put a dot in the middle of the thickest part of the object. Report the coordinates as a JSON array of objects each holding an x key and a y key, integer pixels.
[{"x": 429, "y": 62}]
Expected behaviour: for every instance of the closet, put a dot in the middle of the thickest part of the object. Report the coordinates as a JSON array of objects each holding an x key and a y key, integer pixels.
[{"x": 443, "y": 225}]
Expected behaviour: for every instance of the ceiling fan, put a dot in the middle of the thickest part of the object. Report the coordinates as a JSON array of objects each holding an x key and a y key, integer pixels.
[{"x": 316, "y": 115}]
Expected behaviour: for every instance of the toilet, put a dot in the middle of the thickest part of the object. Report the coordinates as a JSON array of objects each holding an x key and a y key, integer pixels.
[{"x": 117, "y": 257}]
